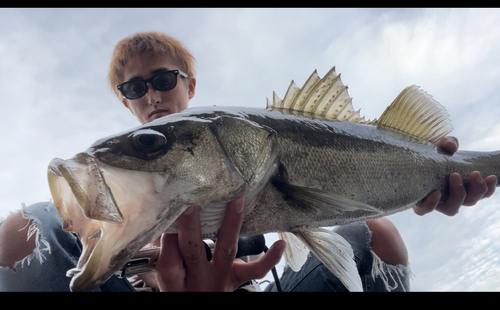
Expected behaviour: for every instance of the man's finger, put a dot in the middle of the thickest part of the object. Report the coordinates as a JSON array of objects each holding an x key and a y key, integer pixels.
[
  {"x": 477, "y": 189},
  {"x": 191, "y": 245},
  {"x": 491, "y": 181},
  {"x": 428, "y": 204},
  {"x": 170, "y": 272},
  {"x": 227, "y": 242},
  {"x": 449, "y": 144},
  {"x": 457, "y": 196},
  {"x": 259, "y": 268}
]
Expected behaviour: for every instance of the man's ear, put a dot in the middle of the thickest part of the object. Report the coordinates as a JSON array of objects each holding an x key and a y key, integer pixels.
[
  {"x": 191, "y": 87},
  {"x": 125, "y": 103}
]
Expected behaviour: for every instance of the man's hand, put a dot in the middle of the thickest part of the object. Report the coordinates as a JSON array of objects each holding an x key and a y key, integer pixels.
[
  {"x": 183, "y": 266},
  {"x": 479, "y": 188}
]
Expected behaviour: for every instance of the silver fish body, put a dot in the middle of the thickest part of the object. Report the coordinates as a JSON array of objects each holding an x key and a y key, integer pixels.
[
  {"x": 332, "y": 160},
  {"x": 297, "y": 170}
]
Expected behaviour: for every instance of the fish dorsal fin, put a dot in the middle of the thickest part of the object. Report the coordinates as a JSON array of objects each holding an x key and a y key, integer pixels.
[
  {"x": 415, "y": 113},
  {"x": 325, "y": 98}
]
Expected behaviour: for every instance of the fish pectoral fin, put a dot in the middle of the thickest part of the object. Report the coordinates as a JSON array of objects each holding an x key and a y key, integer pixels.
[
  {"x": 335, "y": 253},
  {"x": 295, "y": 252},
  {"x": 324, "y": 203},
  {"x": 416, "y": 114}
]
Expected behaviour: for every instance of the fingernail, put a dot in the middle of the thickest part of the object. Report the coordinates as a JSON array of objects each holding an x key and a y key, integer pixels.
[
  {"x": 239, "y": 204},
  {"x": 436, "y": 196},
  {"x": 456, "y": 179},
  {"x": 479, "y": 180},
  {"x": 454, "y": 140},
  {"x": 279, "y": 243},
  {"x": 189, "y": 210}
]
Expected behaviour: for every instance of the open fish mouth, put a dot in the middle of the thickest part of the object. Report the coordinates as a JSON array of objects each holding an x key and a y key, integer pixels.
[{"x": 114, "y": 211}]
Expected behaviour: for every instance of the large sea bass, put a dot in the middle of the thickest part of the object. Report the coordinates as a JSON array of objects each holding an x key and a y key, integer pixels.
[{"x": 306, "y": 161}]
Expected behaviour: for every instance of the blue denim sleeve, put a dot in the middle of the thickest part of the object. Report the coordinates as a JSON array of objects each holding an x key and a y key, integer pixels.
[{"x": 56, "y": 252}]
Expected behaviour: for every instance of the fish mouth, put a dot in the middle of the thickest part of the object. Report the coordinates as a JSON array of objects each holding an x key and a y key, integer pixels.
[{"x": 114, "y": 211}]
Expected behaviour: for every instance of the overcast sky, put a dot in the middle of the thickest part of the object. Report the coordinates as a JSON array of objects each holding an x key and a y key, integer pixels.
[{"x": 55, "y": 100}]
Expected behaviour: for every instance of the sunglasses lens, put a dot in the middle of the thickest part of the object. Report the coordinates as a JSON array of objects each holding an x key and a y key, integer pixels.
[
  {"x": 134, "y": 89},
  {"x": 162, "y": 82},
  {"x": 165, "y": 81}
]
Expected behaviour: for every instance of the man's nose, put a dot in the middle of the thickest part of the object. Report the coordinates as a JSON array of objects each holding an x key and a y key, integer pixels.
[{"x": 154, "y": 96}]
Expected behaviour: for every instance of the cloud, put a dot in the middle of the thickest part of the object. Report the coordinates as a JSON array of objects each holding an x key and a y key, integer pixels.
[{"x": 454, "y": 254}]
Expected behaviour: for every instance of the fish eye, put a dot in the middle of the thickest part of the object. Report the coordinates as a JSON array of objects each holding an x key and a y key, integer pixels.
[{"x": 148, "y": 141}]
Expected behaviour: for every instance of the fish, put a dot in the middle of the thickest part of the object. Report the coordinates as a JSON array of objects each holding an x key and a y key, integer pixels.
[{"x": 305, "y": 162}]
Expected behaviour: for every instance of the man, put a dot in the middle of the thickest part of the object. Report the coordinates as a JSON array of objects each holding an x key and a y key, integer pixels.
[{"x": 166, "y": 70}]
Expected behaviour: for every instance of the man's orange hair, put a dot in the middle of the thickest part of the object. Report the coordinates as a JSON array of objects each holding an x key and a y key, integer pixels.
[{"x": 154, "y": 43}]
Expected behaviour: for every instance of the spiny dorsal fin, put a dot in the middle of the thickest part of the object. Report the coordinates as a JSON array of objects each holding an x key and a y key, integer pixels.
[
  {"x": 325, "y": 97},
  {"x": 417, "y": 114}
]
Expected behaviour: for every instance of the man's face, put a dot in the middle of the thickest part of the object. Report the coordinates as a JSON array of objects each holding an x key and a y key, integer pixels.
[{"x": 155, "y": 104}]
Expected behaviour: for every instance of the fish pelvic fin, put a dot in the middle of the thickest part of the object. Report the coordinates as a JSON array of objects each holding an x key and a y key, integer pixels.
[
  {"x": 416, "y": 114},
  {"x": 335, "y": 253},
  {"x": 324, "y": 98},
  {"x": 295, "y": 251}
]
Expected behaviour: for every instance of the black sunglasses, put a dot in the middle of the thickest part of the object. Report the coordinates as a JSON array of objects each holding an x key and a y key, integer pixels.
[{"x": 162, "y": 81}]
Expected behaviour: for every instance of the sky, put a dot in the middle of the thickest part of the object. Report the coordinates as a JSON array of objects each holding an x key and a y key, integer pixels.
[{"x": 55, "y": 99}]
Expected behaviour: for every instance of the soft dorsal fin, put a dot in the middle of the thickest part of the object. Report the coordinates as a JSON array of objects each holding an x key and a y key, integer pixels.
[
  {"x": 325, "y": 97},
  {"x": 415, "y": 113}
]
